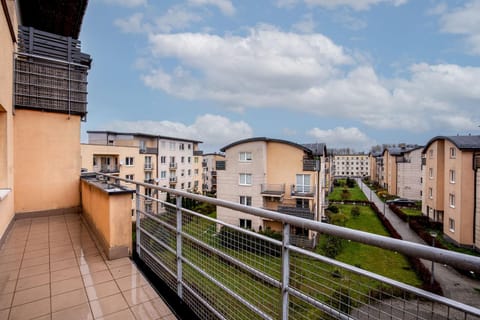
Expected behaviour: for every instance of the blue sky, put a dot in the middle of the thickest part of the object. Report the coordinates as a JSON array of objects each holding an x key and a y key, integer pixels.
[{"x": 350, "y": 73}]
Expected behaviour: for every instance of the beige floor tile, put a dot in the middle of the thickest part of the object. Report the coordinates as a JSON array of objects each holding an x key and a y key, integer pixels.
[
  {"x": 30, "y": 295},
  {"x": 6, "y": 300},
  {"x": 118, "y": 262},
  {"x": 34, "y": 281},
  {"x": 92, "y": 267},
  {"x": 35, "y": 270},
  {"x": 36, "y": 254},
  {"x": 45, "y": 317},
  {"x": 4, "y": 313},
  {"x": 68, "y": 300},
  {"x": 61, "y": 249},
  {"x": 132, "y": 281},
  {"x": 11, "y": 275},
  {"x": 88, "y": 251},
  {"x": 153, "y": 309},
  {"x": 170, "y": 317},
  {"x": 124, "y": 271},
  {"x": 9, "y": 266},
  {"x": 80, "y": 312},
  {"x": 60, "y": 243},
  {"x": 90, "y": 259},
  {"x": 11, "y": 257},
  {"x": 102, "y": 290},
  {"x": 63, "y": 264},
  {"x": 108, "y": 305},
  {"x": 97, "y": 277},
  {"x": 138, "y": 295},
  {"x": 64, "y": 274},
  {"x": 35, "y": 261},
  {"x": 31, "y": 310},
  {"x": 66, "y": 285},
  {"x": 37, "y": 238},
  {"x": 63, "y": 256},
  {"x": 121, "y": 315},
  {"x": 7, "y": 286}
]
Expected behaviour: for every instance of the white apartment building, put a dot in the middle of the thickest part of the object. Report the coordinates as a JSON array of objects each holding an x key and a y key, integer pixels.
[{"x": 351, "y": 165}]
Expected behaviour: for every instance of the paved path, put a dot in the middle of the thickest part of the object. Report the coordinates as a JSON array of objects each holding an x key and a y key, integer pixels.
[{"x": 454, "y": 285}]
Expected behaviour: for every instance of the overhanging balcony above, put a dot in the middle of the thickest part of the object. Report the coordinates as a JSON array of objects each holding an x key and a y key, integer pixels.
[
  {"x": 273, "y": 190},
  {"x": 297, "y": 212}
]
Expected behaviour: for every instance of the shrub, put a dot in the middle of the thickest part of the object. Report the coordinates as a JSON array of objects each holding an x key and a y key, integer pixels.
[
  {"x": 332, "y": 208},
  {"x": 332, "y": 246},
  {"x": 355, "y": 211},
  {"x": 351, "y": 183}
]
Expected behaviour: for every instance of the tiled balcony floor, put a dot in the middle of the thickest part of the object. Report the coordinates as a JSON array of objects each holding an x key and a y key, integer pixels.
[{"x": 50, "y": 268}]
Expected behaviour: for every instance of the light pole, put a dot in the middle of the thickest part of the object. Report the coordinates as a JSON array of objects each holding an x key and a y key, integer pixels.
[{"x": 433, "y": 234}]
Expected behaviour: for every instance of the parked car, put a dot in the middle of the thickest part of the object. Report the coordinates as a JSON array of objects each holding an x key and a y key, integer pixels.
[{"x": 401, "y": 202}]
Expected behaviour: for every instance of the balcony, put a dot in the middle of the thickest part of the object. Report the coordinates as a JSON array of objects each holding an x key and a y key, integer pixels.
[
  {"x": 148, "y": 150},
  {"x": 311, "y": 165},
  {"x": 150, "y": 181},
  {"x": 107, "y": 169},
  {"x": 272, "y": 190},
  {"x": 173, "y": 180},
  {"x": 148, "y": 166},
  {"x": 296, "y": 212},
  {"x": 302, "y": 191},
  {"x": 214, "y": 173},
  {"x": 172, "y": 166}
]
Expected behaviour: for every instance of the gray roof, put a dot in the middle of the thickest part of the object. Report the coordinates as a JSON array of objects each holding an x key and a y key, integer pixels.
[
  {"x": 461, "y": 142},
  {"x": 398, "y": 151},
  {"x": 318, "y": 149},
  {"x": 265, "y": 139},
  {"x": 143, "y": 135}
]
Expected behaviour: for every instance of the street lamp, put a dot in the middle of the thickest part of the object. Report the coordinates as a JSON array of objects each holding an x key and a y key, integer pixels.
[{"x": 433, "y": 234}]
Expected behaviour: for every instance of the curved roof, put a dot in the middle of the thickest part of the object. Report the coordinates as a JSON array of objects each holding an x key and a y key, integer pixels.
[
  {"x": 461, "y": 142},
  {"x": 265, "y": 139}
]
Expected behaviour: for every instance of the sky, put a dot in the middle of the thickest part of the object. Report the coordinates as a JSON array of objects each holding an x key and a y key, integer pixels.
[{"x": 350, "y": 73}]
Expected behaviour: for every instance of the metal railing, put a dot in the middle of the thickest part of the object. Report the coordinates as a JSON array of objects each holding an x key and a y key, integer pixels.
[
  {"x": 222, "y": 271},
  {"x": 272, "y": 189}
]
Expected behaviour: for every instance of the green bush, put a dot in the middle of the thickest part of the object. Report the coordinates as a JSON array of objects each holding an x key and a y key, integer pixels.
[
  {"x": 332, "y": 209},
  {"x": 355, "y": 211}
]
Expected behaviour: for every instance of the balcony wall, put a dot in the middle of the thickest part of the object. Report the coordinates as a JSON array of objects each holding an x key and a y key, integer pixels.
[{"x": 107, "y": 209}]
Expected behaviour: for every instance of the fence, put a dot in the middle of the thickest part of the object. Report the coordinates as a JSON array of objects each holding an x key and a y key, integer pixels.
[{"x": 222, "y": 271}]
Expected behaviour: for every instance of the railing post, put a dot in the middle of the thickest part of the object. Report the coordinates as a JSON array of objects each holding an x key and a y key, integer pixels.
[
  {"x": 285, "y": 269},
  {"x": 179, "y": 248},
  {"x": 137, "y": 219}
]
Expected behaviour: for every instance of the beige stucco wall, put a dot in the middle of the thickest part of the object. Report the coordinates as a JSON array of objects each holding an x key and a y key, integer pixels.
[
  {"x": 391, "y": 172},
  {"x": 109, "y": 216},
  {"x": 409, "y": 173},
  {"x": 477, "y": 212},
  {"x": 47, "y": 161},
  {"x": 436, "y": 162},
  {"x": 463, "y": 189},
  {"x": 6, "y": 117},
  {"x": 373, "y": 168}
]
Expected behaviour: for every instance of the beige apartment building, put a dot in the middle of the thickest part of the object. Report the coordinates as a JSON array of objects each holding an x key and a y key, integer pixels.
[
  {"x": 351, "y": 165},
  {"x": 167, "y": 161},
  {"x": 210, "y": 163},
  {"x": 374, "y": 159},
  {"x": 273, "y": 174},
  {"x": 450, "y": 189},
  {"x": 35, "y": 106}
]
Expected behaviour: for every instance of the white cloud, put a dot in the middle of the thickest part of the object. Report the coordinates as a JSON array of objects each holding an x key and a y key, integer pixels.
[
  {"x": 216, "y": 131},
  {"x": 311, "y": 74},
  {"x": 132, "y": 24},
  {"x": 127, "y": 3},
  {"x": 464, "y": 21},
  {"x": 306, "y": 25},
  {"x": 341, "y": 137},
  {"x": 349, "y": 21},
  {"x": 225, "y": 6},
  {"x": 176, "y": 18},
  {"x": 331, "y": 4}
]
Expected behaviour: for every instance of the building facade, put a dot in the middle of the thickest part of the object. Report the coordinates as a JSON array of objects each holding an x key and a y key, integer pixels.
[
  {"x": 450, "y": 195},
  {"x": 351, "y": 165},
  {"x": 276, "y": 175},
  {"x": 43, "y": 99},
  {"x": 409, "y": 174},
  {"x": 209, "y": 171}
]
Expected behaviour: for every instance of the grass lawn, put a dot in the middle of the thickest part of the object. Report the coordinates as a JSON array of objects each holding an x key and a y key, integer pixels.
[
  {"x": 381, "y": 261},
  {"x": 411, "y": 211},
  {"x": 353, "y": 194}
]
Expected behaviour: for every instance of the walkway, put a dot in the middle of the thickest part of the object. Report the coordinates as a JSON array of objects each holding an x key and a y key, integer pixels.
[
  {"x": 50, "y": 268},
  {"x": 454, "y": 285}
]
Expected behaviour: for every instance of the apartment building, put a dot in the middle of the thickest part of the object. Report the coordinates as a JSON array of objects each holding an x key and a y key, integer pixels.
[
  {"x": 43, "y": 92},
  {"x": 274, "y": 174},
  {"x": 450, "y": 188},
  {"x": 351, "y": 165},
  {"x": 167, "y": 161},
  {"x": 209, "y": 171},
  {"x": 373, "y": 162}
]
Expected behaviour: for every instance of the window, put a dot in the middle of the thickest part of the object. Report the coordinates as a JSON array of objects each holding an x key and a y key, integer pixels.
[
  {"x": 430, "y": 173},
  {"x": 148, "y": 176},
  {"x": 430, "y": 154},
  {"x": 129, "y": 176},
  {"x": 148, "y": 192},
  {"x": 245, "y": 179},
  {"x": 183, "y": 186},
  {"x": 163, "y": 174},
  {"x": 195, "y": 183},
  {"x": 181, "y": 146},
  {"x": 303, "y": 183},
  {"x": 430, "y": 193},
  {"x": 182, "y": 159},
  {"x": 451, "y": 200},
  {"x": 245, "y": 156},
  {"x": 451, "y": 224},
  {"x": 195, "y": 159},
  {"x": 246, "y": 223},
  {"x": 94, "y": 161},
  {"x": 189, "y": 159},
  {"x": 246, "y": 200},
  {"x": 172, "y": 159},
  {"x": 189, "y": 172},
  {"x": 142, "y": 145},
  {"x": 163, "y": 159},
  {"x": 163, "y": 144},
  {"x": 453, "y": 152},
  {"x": 129, "y": 161},
  {"x": 183, "y": 173},
  {"x": 195, "y": 172},
  {"x": 452, "y": 176},
  {"x": 189, "y": 146},
  {"x": 189, "y": 185},
  {"x": 172, "y": 146}
]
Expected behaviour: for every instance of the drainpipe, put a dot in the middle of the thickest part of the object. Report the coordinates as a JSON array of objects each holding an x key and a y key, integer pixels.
[{"x": 475, "y": 170}]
